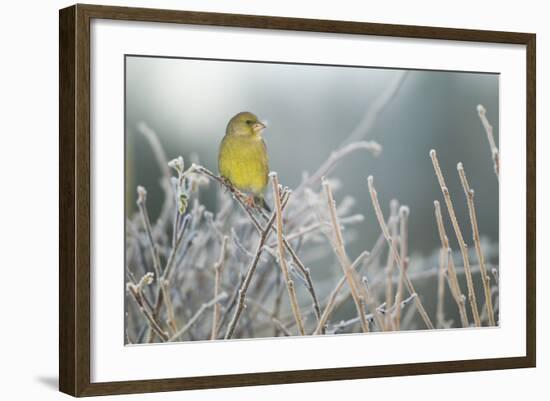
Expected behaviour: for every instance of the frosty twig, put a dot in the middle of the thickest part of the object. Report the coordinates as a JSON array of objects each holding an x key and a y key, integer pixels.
[
  {"x": 393, "y": 249},
  {"x": 459, "y": 237}
]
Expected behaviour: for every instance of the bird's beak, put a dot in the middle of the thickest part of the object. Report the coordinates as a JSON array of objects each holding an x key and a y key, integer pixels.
[{"x": 259, "y": 126}]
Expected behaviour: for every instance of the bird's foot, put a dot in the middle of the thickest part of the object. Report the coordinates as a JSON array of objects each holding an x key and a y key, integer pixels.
[{"x": 249, "y": 201}]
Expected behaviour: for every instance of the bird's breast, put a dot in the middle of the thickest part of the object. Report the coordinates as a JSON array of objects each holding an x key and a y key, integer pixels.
[{"x": 243, "y": 160}]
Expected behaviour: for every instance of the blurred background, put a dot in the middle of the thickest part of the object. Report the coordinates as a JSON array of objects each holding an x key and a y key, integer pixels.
[{"x": 310, "y": 111}]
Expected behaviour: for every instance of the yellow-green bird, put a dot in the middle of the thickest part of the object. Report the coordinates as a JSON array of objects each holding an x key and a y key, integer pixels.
[{"x": 242, "y": 158}]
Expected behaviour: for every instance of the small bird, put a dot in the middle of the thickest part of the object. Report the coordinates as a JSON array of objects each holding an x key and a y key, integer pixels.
[{"x": 242, "y": 158}]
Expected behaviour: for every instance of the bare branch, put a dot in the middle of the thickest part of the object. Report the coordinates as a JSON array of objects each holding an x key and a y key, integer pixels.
[
  {"x": 384, "y": 99},
  {"x": 475, "y": 234},
  {"x": 334, "y": 158},
  {"x": 459, "y": 237},
  {"x": 139, "y": 298},
  {"x": 495, "y": 154},
  {"x": 398, "y": 260},
  {"x": 339, "y": 248},
  {"x": 282, "y": 259},
  {"x": 218, "y": 268},
  {"x": 451, "y": 272}
]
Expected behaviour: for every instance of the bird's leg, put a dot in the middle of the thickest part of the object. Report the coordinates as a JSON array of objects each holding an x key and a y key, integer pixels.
[{"x": 249, "y": 201}]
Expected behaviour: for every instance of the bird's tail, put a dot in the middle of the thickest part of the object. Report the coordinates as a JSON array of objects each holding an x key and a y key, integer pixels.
[{"x": 260, "y": 201}]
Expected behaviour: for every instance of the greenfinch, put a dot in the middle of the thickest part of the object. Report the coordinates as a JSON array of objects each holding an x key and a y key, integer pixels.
[{"x": 242, "y": 158}]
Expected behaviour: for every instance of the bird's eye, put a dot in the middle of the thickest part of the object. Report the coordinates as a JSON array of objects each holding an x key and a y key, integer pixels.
[{"x": 249, "y": 122}]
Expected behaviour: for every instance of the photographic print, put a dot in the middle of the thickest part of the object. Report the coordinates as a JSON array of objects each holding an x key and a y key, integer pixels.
[
  {"x": 269, "y": 199},
  {"x": 333, "y": 194}
]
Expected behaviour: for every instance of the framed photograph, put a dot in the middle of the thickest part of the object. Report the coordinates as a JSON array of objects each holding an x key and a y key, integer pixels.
[{"x": 250, "y": 200}]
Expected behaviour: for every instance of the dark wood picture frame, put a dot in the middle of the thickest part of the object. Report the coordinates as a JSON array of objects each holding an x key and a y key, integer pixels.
[{"x": 74, "y": 199}]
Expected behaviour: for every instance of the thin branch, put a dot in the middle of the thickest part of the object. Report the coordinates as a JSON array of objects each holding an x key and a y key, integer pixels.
[
  {"x": 440, "y": 306},
  {"x": 369, "y": 300},
  {"x": 460, "y": 298},
  {"x": 167, "y": 274},
  {"x": 162, "y": 162},
  {"x": 156, "y": 147},
  {"x": 307, "y": 276},
  {"x": 282, "y": 259},
  {"x": 141, "y": 203},
  {"x": 401, "y": 305},
  {"x": 443, "y": 273},
  {"x": 422, "y": 274},
  {"x": 340, "y": 250},
  {"x": 335, "y": 157},
  {"x": 454, "y": 285},
  {"x": 139, "y": 298},
  {"x": 246, "y": 283},
  {"x": 394, "y": 209},
  {"x": 403, "y": 235},
  {"x": 384, "y": 99},
  {"x": 304, "y": 270},
  {"x": 163, "y": 293},
  {"x": 459, "y": 237},
  {"x": 331, "y": 302},
  {"x": 495, "y": 154},
  {"x": 218, "y": 268},
  {"x": 302, "y": 232},
  {"x": 475, "y": 234},
  {"x": 380, "y": 309},
  {"x": 278, "y": 299},
  {"x": 398, "y": 260},
  {"x": 231, "y": 302}
]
